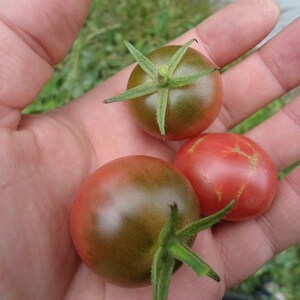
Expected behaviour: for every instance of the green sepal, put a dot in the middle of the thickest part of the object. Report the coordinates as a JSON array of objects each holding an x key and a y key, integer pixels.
[
  {"x": 177, "y": 82},
  {"x": 184, "y": 254},
  {"x": 138, "y": 91},
  {"x": 191, "y": 230},
  {"x": 163, "y": 95},
  {"x": 177, "y": 57},
  {"x": 142, "y": 60}
]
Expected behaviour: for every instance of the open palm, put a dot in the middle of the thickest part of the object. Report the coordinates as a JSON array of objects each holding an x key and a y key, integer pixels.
[{"x": 44, "y": 158}]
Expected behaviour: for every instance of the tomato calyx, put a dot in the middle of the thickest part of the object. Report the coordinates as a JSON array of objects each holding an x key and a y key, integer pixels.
[
  {"x": 162, "y": 80},
  {"x": 173, "y": 246}
]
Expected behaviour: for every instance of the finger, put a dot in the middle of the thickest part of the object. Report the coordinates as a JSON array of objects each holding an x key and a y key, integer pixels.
[
  {"x": 279, "y": 227},
  {"x": 264, "y": 76},
  {"x": 247, "y": 246},
  {"x": 222, "y": 37},
  {"x": 234, "y": 30},
  {"x": 279, "y": 135},
  {"x": 32, "y": 41}
]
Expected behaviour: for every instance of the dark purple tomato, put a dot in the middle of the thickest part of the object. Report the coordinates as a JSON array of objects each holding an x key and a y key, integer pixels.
[
  {"x": 119, "y": 212},
  {"x": 190, "y": 109}
]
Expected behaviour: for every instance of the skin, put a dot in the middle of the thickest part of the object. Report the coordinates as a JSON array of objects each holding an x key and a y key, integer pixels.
[{"x": 45, "y": 158}]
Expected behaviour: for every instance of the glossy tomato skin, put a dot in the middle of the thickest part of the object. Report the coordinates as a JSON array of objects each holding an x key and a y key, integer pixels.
[
  {"x": 119, "y": 211},
  {"x": 190, "y": 109},
  {"x": 222, "y": 167}
]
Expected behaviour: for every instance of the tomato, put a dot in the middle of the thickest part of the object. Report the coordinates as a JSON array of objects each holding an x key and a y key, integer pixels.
[
  {"x": 119, "y": 212},
  {"x": 190, "y": 109},
  {"x": 174, "y": 93},
  {"x": 222, "y": 167}
]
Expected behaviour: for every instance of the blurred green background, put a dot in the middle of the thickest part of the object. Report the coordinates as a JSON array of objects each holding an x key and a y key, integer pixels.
[{"x": 99, "y": 52}]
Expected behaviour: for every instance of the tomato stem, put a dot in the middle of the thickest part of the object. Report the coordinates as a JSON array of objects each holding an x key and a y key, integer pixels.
[
  {"x": 163, "y": 263},
  {"x": 163, "y": 78},
  {"x": 169, "y": 229},
  {"x": 173, "y": 246},
  {"x": 161, "y": 275}
]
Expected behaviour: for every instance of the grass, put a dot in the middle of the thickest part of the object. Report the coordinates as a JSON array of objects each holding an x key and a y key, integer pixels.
[
  {"x": 283, "y": 269},
  {"x": 99, "y": 52}
]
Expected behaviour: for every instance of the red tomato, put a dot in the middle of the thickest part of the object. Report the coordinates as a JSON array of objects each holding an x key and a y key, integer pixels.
[{"x": 222, "y": 167}]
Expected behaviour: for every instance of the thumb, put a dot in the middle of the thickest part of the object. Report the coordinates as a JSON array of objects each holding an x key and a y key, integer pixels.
[{"x": 34, "y": 36}]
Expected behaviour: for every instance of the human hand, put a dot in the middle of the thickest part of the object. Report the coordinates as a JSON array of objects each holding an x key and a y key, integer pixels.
[{"x": 44, "y": 158}]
